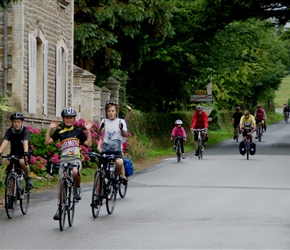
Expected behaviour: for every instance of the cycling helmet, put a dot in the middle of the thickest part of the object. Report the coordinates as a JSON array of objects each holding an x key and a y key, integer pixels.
[
  {"x": 68, "y": 111},
  {"x": 178, "y": 122},
  {"x": 238, "y": 108},
  {"x": 199, "y": 107},
  {"x": 17, "y": 115}
]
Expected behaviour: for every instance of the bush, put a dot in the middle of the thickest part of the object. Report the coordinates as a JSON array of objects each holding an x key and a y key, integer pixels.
[{"x": 44, "y": 154}]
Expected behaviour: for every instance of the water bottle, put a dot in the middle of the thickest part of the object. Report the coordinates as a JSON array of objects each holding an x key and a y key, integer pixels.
[{"x": 112, "y": 171}]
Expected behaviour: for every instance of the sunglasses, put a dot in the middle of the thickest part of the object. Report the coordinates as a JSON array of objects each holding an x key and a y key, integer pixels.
[{"x": 111, "y": 102}]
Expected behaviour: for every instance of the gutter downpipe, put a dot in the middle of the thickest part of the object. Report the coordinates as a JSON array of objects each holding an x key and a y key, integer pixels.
[{"x": 5, "y": 53}]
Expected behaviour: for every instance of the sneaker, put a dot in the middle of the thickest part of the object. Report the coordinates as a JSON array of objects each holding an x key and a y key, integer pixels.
[
  {"x": 56, "y": 216},
  {"x": 124, "y": 180},
  {"x": 174, "y": 148},
  {"x": 79, "y": 193},
  {"x": 234, "y": 138},
  {"x": 183, "y": 156},
  {"x": 29, "y": 184},
  {"x": 196, "y": 153},
  {"x": 96, "y": 203},
  {"x": 256, "y": 137}
]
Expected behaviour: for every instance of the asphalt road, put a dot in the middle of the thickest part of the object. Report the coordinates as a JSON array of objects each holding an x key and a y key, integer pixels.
[{"x": 221, "y": 202}]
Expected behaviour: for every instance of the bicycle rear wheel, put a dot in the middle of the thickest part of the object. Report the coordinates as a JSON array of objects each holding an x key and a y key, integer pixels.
[
  {"x": 97, "y": 197},
  {"x": 123, "y": 188},
  {"x": 111, "y": 198},
  {"x": 71, "y": 198},
  {"x": 24, "y": 198},
  {"x": 10, "y": 198},
  {"x": 62, "y": 205},
  {"x": 260, "y": 132}
]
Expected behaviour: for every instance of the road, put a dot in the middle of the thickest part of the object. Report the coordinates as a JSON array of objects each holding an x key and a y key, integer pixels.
[{"x": 221, "y": 202}]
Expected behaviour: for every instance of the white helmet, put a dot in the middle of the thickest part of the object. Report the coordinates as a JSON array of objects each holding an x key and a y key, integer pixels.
[
  {"x": 199, "y": 107},
  {"x": 178, "y": 122}
]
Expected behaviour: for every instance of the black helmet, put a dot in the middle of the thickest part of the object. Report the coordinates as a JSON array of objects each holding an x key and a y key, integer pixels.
[
  {"x": 68, "y": 111},
  {"x": 17, "y": 115}
]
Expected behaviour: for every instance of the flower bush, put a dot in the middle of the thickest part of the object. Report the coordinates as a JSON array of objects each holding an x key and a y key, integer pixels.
[{"x": 45, "y": 154}]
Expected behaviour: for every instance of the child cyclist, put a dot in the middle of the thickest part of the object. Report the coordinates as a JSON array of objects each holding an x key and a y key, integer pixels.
[
  {"x": 70, "y": 138},
  {"x": 178, "y": 131},
  {"x": 114, "y": 132}
]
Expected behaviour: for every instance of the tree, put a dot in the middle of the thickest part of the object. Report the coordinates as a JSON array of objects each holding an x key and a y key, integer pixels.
[{"x": 4, "y": 3}]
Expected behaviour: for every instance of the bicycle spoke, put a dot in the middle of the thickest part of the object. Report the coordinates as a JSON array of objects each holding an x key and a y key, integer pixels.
[{"x": 10, "y": 198}]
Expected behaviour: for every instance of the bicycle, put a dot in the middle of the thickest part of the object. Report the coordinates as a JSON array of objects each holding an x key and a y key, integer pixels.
[
  {"x": 15, "y": 187},
  {"x": 106, "y": 184},
  {"x": 200, "y": 141},
  {"x": 67, "y": 194},
  {"x": 248, "y": 145},
  {"x": 178, "y": 147},
  {"x": 286, "y": 116},
  {"x": 237, "y": 131},
  {"x": 259, "y": 131}
]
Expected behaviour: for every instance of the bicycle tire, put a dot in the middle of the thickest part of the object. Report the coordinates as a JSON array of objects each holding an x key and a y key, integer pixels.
[
  {"x": 10, "y": 211},
  {"x": 98, "y": 178},
  {"x": 200, "y": 149},
  {"x": 62, "y": 205},
  {"x": 248, "y": 150},
  {"x": 111, "y": 198},
  {"x": 237, "y": 134},
  {"x": 178, "y": 151},
  {"x": 123, "y": 188},
  {"x": 260, "y": 132},
  {"x": 71, "y": 198},
  {"x": 24, "y": 198}
]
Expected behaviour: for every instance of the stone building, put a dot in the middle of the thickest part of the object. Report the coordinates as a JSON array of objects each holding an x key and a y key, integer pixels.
[{"x": 36, "y": 64}]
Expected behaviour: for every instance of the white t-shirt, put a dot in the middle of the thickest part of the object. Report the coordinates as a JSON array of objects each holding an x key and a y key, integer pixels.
[{"x": 112, "y": 131}]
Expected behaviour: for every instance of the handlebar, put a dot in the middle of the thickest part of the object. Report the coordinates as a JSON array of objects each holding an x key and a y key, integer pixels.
[
  {"x": 108, "y": 155},
  {"x": 14, "y": 158},
  {"x": 65, "y": 166},
  {"x": 198, "y": 129}
]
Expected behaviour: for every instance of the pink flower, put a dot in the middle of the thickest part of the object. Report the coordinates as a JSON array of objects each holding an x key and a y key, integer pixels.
[
  {"x": 33, "y": 160},
  {"x": 58, "y": 145}
]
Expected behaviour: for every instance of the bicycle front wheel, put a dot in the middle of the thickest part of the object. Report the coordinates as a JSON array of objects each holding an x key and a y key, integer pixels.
[
  {"x": 200, "y": 149},
  {"x": 71, "y": 198},
  {"x": 96, "y": 197},
  {"x": 24, "y": 198},
  {"x": 10, "y": 197},
  {"x": 111, "y": 198},
  {"x": 62, "y": 205},
  {"x": 178, "y": 152},
  {"x": 260, "y": 132}
]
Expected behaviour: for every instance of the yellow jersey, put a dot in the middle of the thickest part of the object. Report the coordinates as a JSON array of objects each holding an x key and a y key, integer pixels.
[{"x": 248, "y": 122}]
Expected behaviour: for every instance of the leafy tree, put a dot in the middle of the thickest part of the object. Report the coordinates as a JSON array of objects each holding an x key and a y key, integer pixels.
[
  {"x": 4, "y": 3},
  {"x": 114, "y": 35}
]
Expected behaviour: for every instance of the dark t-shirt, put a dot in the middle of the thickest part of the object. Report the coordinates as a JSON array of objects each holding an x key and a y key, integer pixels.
[
  {"x": 16, "y": 140},
  {"x": 237, "y": 117}
]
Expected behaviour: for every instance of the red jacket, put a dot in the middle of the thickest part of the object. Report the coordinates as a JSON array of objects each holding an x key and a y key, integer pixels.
[{"x": 199, "y": 121}]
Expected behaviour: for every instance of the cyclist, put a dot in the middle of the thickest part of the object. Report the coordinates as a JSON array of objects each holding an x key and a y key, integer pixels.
[
  {"x": 114, "y": 130},
  {"x": 178, "y": 130},
  {"x": 286, "y": 110},
  {"x": 260, "y": 116},
  {"x": 70, "y": 138},
  {"x": 236, "y": 119},
  {"x": 19, "y": 137},
  {"x": 199, "y": 120},
  {"x": 247, "y": 126}
]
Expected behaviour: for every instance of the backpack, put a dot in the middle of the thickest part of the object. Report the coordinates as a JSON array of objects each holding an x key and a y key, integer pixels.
[{"x": 129, "y": 168}]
